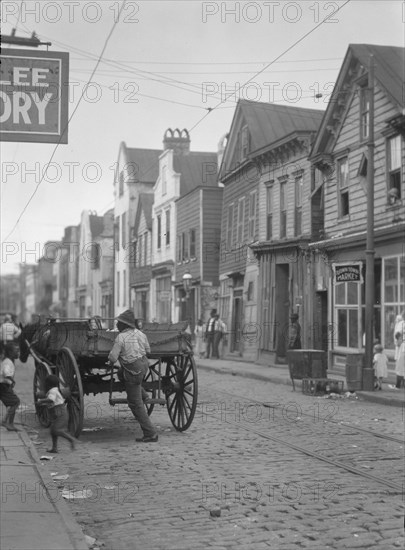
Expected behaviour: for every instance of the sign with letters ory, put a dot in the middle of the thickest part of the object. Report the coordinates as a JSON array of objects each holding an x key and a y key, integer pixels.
[{"x": 34, "y": 95}]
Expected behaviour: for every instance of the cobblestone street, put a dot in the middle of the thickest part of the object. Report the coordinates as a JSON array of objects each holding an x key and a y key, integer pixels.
[{"x": 222, "y": 485}]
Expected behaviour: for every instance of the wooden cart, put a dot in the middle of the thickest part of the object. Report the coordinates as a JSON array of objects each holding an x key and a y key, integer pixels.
[{"x": 77, "y": 353}]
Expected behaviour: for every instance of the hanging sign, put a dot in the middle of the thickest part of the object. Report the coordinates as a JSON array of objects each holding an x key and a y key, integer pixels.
[
  {"x": 34, "y": 95},
  {"x": 348, "y": 273}
]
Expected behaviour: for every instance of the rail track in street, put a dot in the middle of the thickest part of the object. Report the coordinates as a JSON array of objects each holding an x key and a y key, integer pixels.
[{"x": 358, "y": 459}]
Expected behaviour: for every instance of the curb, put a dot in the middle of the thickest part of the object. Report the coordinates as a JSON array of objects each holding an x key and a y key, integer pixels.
[
  {"x": 73, "y": 529},
  {"x": 364, "y": 396}
]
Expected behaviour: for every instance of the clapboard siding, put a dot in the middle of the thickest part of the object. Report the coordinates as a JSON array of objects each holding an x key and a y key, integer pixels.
[
  {"x": 188, "y": 217},
  {"x": 241, "y": 185},
  {"x": 348, "y": 141},
  {"x": 211, "y": 213}
]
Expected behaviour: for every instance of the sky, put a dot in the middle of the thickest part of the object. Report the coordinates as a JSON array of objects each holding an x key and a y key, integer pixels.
[{"x": 166, "y": 64}]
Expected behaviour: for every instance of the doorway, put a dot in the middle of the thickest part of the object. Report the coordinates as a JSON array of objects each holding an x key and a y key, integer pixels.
[
  {"x": 321, "y": 333},
  {"x": 237, "y": 320},
  {"x": 282, "y": 305}
]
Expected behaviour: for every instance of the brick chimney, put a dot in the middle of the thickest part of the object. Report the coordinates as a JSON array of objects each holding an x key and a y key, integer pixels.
[{"x": 177, "y": 140}]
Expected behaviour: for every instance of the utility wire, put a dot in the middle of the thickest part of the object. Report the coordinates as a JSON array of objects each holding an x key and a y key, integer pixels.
[
  {"x": 70, "y": 118},
  {"x": 269, "y": 64}
]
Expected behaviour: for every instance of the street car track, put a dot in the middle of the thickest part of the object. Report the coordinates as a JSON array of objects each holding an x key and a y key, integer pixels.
[
  {"x": 338, "y": 464},
  {"x": 346, "y": 425}
]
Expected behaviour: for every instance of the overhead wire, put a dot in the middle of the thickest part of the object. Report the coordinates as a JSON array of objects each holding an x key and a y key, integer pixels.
[{"x": 70, "y": 118}]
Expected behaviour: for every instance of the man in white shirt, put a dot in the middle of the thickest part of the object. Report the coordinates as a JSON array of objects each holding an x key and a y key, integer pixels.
[{"x": 7, "y": 383}]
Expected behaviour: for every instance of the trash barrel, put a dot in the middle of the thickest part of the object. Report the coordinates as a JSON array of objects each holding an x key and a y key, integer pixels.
[
  {"x": 354, "y": 371},
  {"x": 306, "y": 363}
]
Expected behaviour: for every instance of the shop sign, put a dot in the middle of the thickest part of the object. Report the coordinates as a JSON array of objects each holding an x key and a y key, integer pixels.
[
  {"x": 164, "y": 295},
  {"x": 348, "y": 273},
  {"x": 34, "y": 95}
]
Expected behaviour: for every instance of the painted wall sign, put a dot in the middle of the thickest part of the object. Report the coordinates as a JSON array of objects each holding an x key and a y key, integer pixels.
[
  {"x": 348, "y": 273},
  {"x": 34, "y": 95}
]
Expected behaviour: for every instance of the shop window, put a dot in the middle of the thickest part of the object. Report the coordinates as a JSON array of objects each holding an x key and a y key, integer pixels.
[
  {"x": 347, "y": 297},
  {"x": 394, "y": 295},
  {"x": 394, "y": 169},
  {"x": 343, "y": 186}
]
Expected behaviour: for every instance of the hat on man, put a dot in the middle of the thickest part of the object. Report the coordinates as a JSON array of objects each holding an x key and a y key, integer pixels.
[{"x": 127, "y": 317}]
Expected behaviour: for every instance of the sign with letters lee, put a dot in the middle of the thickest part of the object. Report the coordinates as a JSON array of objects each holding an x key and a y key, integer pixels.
[
  {"x": 34, "y": 95},
  {"x": 348, "y": 273}
]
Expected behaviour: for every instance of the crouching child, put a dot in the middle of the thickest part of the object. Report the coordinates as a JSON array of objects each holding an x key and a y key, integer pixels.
[{"x": 57, "y": 413}]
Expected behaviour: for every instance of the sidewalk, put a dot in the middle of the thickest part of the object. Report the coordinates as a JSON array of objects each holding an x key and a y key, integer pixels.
[
  {"x": 279, "y": 374},
  {"x": 33, "y": 513}
]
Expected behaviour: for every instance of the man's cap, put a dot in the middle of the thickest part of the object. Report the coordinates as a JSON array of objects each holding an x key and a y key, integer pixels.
[{"x": 127, "y": 317}]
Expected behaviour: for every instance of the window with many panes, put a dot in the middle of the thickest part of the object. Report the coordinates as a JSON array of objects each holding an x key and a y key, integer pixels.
[
  {"x": 364, "y": 113},
  {"x": 283, "y": 209},
  {"x": 299, "y": 180},
  {"x": 343, "y": 186},
  {"x": 159, "y": 231},
  {"x": 252, "y": 215},
  {"x": 347, "y": 299},
  {"x": 229, "y": 228},
  {"x": 394, "y": 166},
  {"x": 269, "y": 212}
]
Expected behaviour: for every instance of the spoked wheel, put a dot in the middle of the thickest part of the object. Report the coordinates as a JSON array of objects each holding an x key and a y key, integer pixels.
[
  {"x": 149, "y": 377},
  {"x": 182, "y": 393},
  {"x": 41, "y": 372},
  {"x": 71, "y": 388}
]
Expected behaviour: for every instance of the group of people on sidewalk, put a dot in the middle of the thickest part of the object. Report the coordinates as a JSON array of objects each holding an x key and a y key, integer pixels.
[
  {"x": 380, "y": 360},
  {"x": 208, "y": 336}
]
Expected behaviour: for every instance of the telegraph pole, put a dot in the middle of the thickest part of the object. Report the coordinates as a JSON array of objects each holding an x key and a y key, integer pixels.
[{"x": 370, "y": 223}]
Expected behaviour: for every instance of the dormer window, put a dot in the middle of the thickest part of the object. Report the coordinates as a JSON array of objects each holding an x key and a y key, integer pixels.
[
  {"x": 364, "y": 113},
  {"x": 244, "y": 145}
]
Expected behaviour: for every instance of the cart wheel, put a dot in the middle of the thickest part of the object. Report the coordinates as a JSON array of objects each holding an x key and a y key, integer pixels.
[
  {"x": 41, "y": 372},
  {"x": 71, "y": 388},
  {"x": 181, "y": 397},
  {"x": 150, "y": 377}
]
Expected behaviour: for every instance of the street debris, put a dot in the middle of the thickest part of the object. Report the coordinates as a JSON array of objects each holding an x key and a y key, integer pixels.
[
  {"x": 89, "y": 540},
  {"x": 45, "y": 457},
  {"x": 215, "y": 512},
  {"x": 61, "y": 478},
  {"x": 92, "y": 429},
  {"x": 71, "y": 495}
]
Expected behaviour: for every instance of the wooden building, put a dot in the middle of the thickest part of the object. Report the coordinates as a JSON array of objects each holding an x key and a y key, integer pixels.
[{"x": 340, "y": 166}]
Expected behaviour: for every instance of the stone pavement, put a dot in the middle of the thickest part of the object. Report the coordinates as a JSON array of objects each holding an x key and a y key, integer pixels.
[
  {"x": 279, "y": 374},
  {"x": 30, "y": 517}
]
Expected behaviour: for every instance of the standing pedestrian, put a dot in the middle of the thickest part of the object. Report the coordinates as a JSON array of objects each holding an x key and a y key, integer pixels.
[
  {"x": 7, "y": 395},
  {"x": 219, "y": 328},
  {"x": 9, "y": 332},
  {"x": 380, "y": 363},
  {"x": 130, "y": 349},
  {"x": 210, "y": 332},
  {"x": 400, "y": 365},
  {"x": 57, "y": 413},
  {"x": 294, "y": 332},
  {"x": 199, "y": 332}
]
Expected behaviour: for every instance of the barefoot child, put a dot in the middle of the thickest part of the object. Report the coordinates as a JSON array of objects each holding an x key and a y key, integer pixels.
[
  {"x": 7, "y": 383},
  {"x": 57, "y": 412},
  {"x": 380, "y": 364}
]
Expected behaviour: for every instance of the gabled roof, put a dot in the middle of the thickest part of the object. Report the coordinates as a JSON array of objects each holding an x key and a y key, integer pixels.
[
  {"x": 268, "y": 124},
  {"x": 145, "y": 164},
  {"x": 145, "y": 204},
  {"x": 196, "y": 169},
  {"x": 389, "y": 72}
]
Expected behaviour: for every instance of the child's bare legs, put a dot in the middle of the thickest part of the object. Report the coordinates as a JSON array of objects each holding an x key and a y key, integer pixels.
[
  {"x": 60, "y": 433},
  {"x": 380, "y": 383}
]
